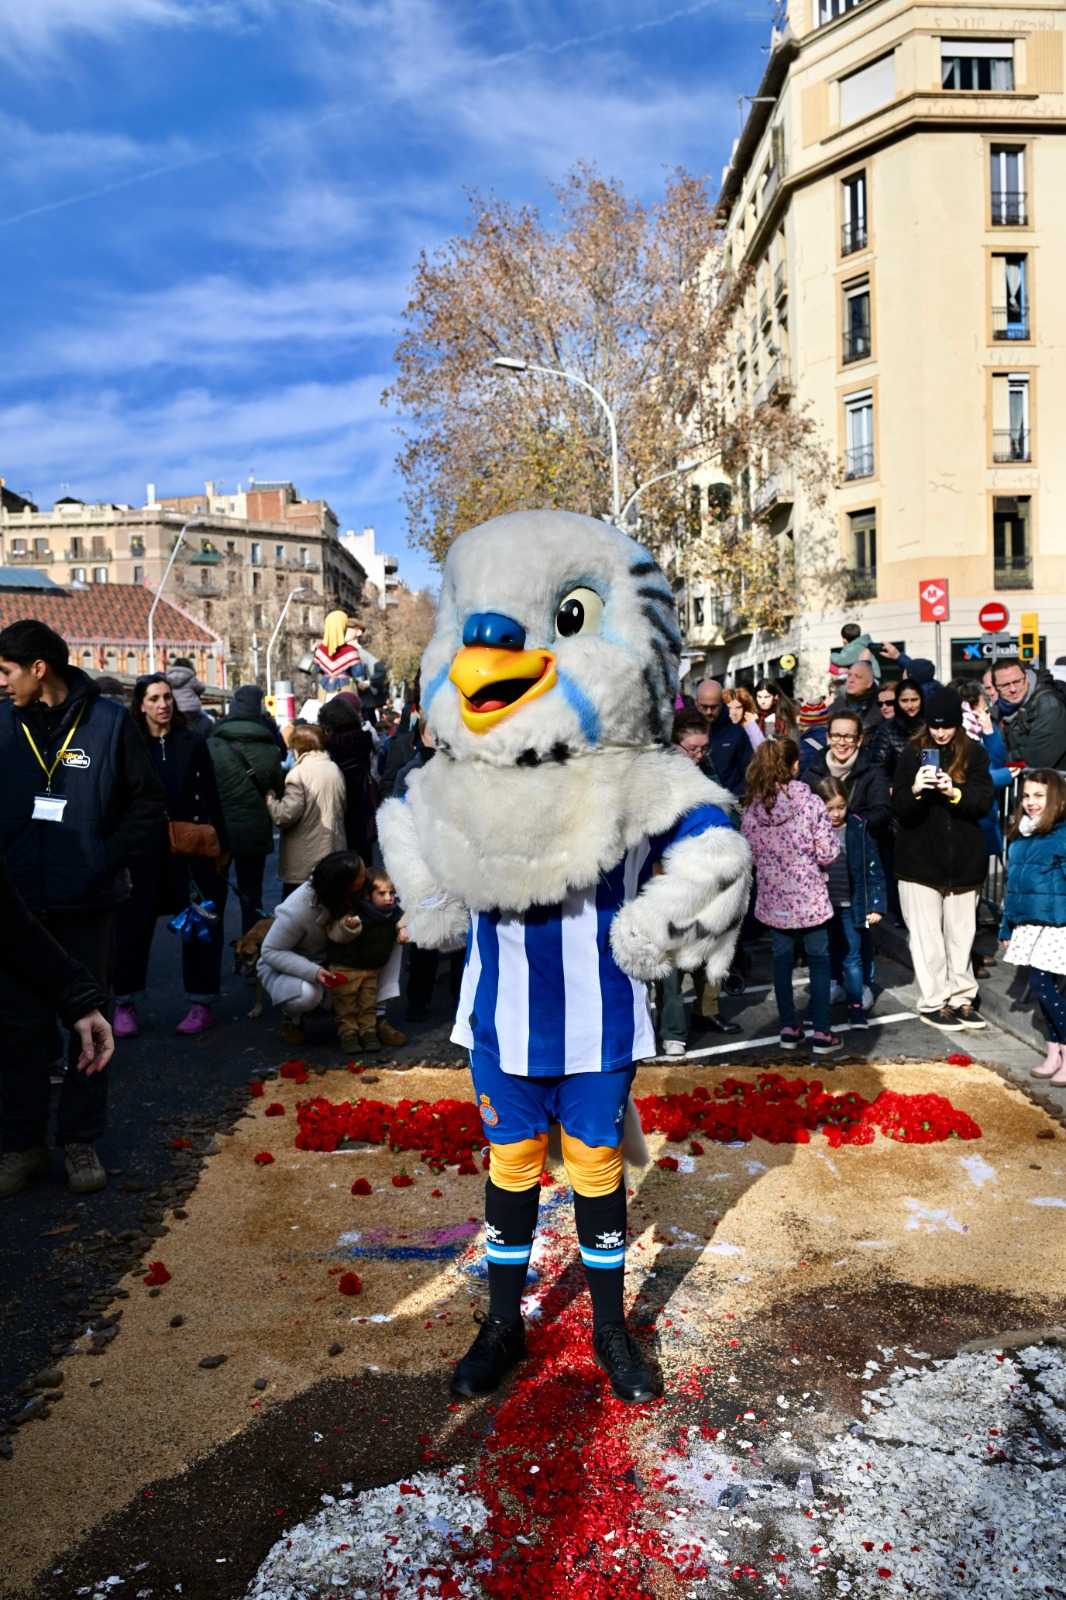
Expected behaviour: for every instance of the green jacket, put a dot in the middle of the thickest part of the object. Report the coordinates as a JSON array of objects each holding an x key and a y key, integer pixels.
[{"x": 247, "y": 766}]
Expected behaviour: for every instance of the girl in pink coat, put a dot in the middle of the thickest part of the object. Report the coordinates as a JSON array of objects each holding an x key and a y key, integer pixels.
[{"x": 793, "y": 846}]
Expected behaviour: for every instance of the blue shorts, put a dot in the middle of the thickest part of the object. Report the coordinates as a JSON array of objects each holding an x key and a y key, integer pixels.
[{"x": 590, "y": 1106}]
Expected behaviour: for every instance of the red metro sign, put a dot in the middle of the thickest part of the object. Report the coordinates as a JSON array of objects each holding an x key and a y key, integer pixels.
[{"x": 933, "y": 600}]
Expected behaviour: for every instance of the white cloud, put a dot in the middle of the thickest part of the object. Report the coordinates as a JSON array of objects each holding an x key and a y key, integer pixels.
[{"x": 218, "y": 322}]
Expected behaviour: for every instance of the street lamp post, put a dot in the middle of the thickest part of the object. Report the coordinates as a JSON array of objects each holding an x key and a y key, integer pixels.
[
  {"x": 289, "y": 598},
  {"x": 660, "y": 477},
  {"x": 516, "y": 364},
  {"x": 178, "y": 542}
]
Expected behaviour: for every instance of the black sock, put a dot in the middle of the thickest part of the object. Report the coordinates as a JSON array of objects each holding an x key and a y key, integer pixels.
[
  {"x": 601, "y": 1232},
  {"x": 510, "y": 1223}
]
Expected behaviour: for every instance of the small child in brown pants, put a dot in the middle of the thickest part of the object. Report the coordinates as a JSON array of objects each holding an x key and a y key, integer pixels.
[{"x": 375, "y": 922}]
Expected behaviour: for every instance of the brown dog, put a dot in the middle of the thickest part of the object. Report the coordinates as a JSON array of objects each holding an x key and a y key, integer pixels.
[{"x": 246, "y": 958}]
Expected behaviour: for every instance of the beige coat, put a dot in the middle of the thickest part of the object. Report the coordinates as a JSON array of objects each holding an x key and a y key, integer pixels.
[{"x": 310, "y": 815}]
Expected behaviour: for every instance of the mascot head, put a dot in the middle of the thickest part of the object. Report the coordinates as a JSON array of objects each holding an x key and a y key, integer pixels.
[{"x": 556, "y": 636}]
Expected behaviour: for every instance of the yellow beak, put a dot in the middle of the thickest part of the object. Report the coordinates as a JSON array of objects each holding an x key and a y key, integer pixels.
[{"x": 493, "y": 683}]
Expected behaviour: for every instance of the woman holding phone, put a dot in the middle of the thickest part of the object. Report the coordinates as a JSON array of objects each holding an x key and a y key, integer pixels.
[{"x": 941, "y": 791}]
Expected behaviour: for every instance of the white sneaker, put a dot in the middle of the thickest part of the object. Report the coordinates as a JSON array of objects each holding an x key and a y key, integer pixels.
[
  {"x": 836, "y": 994},
  {"x": 867, "y": 998},
  {"x": 673, "y": 1047}
]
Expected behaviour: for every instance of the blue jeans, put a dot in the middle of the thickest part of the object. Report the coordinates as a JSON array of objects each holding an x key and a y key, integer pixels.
[
  {"x": 846, "y": 954},
  {"x": 816, "y": 944}
]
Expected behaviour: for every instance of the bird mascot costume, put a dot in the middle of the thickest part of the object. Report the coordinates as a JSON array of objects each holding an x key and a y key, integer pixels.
[{"x": 578, "y": 856}]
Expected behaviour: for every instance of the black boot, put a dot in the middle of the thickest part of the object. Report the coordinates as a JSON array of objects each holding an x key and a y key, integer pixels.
[
  {"x": 499, "y": 1346},
  {"x": 618, "y": 1353}
]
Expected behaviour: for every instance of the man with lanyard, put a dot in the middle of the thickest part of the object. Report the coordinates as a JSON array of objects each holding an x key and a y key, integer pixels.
[{"x": 78, "y": 799}]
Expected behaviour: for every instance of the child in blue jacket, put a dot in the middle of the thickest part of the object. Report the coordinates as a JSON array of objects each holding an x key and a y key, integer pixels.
[
  {"x": 857, "y": 893},
  {"x": 1033, "y": 929}
]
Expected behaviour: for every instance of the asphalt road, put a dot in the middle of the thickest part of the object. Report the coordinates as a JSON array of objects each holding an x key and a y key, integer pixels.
[{"x": 57, "y": 1252}]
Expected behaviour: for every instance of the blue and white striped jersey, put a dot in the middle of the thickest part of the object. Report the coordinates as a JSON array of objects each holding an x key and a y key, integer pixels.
[{"x": 543, "y": 996}]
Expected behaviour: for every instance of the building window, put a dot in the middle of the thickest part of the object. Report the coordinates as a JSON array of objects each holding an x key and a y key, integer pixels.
[
  {"x": 77, "y": 574},
  {"x": 1010, "y": 297},
  {"x": 857, "y": 344},
  {"x": 977, "y": 64},
  {"x": 279, "y": 552},
  {"x": 257, "y": 580},
  {"x": 257, "y": 616},
  {"x": 231, "y": 547},
  {"x": 207, "y": 611},
  {"x": 40, "y": 549},
  {"x": 75, "y": 546},
  {"x": 854, "y": 235},
  {"x": 303, "y": 556},
  {"x": 136, "y": 546},
  {"x": 826, "y": 10},
  {"x": 859, "y": 423},
  {"x": 697, "y": 611},
  {"x": 138, "y": 574},
  {"x": 99, "y": 574},
  {"x": 1010, "y": 542},
  {"x": 257, "y": 555},
  {"x": 1011, "y": 439},
  {"x": 872, "y": 86},
  {"x": 862, "y": 540},
  {"x": 1007, "y": 182}
]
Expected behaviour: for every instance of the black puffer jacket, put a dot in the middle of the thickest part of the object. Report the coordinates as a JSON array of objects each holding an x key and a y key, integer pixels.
[
  {"x": 939, "y": 843},
  {"x": 866, "y": 786}
]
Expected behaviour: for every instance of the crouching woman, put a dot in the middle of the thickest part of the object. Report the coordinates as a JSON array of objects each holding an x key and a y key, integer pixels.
[{"x": 294, "y": 964}]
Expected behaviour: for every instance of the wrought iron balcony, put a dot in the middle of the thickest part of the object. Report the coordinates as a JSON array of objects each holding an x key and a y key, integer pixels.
[
  {"x": 1013, "y": 572},
  {"x": 30, "y": 558},
  {"x": 857, "y": 344},
  {"x": 1009, "y": 208},
  {"x": 777, "y": 382},
  {"x": 1011, "y": 444},
  {"x": 862, "y": 583},
  {"x": 1010, "y": 322},
  {"x": 853, "y": 236},
  {"x": 859, "y": 461},
  {"x": 774, "y": 491}
]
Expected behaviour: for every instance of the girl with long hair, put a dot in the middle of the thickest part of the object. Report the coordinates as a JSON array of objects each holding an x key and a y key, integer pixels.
[
  {"x": 741, "y": 709},
  {"x": 1033, "y": 929},
  {"x": 942, "y": 790},
  {"x": 792, "y": 843},
  {"x": 777, "y": 714},
  {"x": 163, "y": 883}
]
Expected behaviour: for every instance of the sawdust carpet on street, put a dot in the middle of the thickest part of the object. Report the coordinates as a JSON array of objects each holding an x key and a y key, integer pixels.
[{"x": 829, "y": 1251}]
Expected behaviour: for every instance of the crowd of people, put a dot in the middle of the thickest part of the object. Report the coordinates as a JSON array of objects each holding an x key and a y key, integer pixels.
[{"x": 879, "y": 801}]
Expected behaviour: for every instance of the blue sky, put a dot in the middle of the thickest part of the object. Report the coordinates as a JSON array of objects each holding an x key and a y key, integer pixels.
[{"x": 210, "y": 211}]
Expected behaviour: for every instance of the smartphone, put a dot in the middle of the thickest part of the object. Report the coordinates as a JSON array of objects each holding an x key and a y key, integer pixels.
[{"x": 931, "y": 758}]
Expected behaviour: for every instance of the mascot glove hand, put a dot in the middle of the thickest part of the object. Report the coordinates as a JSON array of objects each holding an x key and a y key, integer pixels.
[
  {"x": 438, "y": 922},
  {"x": 638, "y": 944}
]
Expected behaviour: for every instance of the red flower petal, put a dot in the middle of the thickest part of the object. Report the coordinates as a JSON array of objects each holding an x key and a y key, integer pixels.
[
  {"x": 263, "y": 1159},
  {"x": 401, "y": 1180},
  {"x": 156, "y": 1275},
  {"x": 350, "y": 1283},
  {"x": 255, "y": 1089},
  {"x": 668, "y": 1163},
  {"x": 275, "y": 1109},
  {"x": 361, "y": 1186}
]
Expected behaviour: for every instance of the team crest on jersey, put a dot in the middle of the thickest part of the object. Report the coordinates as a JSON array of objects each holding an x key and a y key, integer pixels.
[
  {"x": 489, "y": 1115},
  {"x": 76, "y": 758}
]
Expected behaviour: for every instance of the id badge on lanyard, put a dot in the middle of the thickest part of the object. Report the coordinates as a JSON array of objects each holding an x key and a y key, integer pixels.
[{"x": 49, "y": 807}]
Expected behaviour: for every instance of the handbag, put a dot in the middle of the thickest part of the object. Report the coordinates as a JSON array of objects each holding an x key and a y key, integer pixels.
[{"x": 194, "y": 839}]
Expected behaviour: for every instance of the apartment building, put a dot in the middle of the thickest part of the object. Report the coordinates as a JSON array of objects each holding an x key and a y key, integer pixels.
[
  {"x": 382, "y": 569},
  {"x": 893, "y": 218},
  {"x": 242, "y": 557}
]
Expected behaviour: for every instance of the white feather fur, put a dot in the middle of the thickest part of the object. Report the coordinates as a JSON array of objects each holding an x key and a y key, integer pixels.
[
  {"x": 688, "y": 915},
  {"x": 434, "y": 919}
]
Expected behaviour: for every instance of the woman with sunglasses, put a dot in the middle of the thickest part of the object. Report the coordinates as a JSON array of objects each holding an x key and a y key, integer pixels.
[{"x": 163, "y": 883}]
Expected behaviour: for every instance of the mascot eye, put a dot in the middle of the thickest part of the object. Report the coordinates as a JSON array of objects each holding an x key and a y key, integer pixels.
[{"x": 580, "y": 612}]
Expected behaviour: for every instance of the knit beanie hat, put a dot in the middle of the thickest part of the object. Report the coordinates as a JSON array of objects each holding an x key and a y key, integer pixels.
[
  {"x": 919, "y": 670},
  {"x": 813, "y": 714},
  {"x": 247, "y": 701},
  {"x": 943, "y": 709}
]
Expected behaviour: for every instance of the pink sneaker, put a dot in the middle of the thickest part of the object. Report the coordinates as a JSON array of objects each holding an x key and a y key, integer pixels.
[
  {"x": 197, "y": 1020},
  {"x": 124, "y": 1022}
]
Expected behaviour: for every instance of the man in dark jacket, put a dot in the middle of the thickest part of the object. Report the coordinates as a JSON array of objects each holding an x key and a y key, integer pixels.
[
  {"x": 78, "y": 800},
  {"x": 860, "y": 694},
  {"x": 247, "y": 765},
  {"x": 730, "y": 748},
  {"x": 59, "y": 985},
  {"x": 1031, "y": 715}
]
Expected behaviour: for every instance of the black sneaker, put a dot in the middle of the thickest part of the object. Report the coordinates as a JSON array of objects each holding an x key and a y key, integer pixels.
[
  {"x": 825, "y": 1044},
  {"x": 969, "y": 1016},
  {"x": 856, "y": 1017},
  {"x": 499, "y": 1346},
  {"x": 618, "y": 1353},
  {"x": 943, "y": 1018}
]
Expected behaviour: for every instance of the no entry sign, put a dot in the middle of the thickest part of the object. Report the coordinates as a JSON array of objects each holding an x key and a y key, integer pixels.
[
  {"x": 993, "y": 617},
  {"x": 933, "y": 600}
]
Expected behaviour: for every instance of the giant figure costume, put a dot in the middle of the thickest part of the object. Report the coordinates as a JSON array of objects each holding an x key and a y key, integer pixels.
[{"x": 579, "y": 856}]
